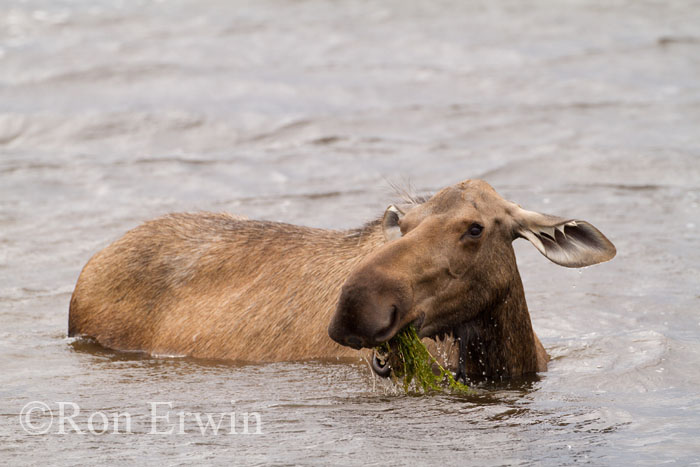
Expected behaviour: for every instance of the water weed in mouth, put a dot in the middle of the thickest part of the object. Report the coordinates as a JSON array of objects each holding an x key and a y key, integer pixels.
[{"x": 413, "y": 367}]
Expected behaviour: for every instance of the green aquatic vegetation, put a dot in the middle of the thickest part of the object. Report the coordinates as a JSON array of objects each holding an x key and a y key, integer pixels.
[{"x": 410, "y": 360}]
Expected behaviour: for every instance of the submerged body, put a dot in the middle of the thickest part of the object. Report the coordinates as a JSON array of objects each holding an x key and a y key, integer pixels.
[{"x": 220, "y": 287}]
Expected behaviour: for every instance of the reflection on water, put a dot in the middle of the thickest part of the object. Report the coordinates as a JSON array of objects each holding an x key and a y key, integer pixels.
[{"x": 304, "y": 112}]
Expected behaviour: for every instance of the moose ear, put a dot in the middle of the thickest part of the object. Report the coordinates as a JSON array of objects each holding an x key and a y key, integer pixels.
[
  {"x": 390, "y": 223},
  {"x": 570, "y": 243}
]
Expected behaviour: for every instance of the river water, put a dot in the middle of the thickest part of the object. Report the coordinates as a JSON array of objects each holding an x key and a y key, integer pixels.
[{"x": 113, "y": 112}]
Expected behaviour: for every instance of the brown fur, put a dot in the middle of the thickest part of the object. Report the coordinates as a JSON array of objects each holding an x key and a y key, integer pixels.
[{"x": 216, "y": 286}]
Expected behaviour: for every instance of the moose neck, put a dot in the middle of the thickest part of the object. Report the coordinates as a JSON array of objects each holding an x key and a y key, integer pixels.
[{"x": 499, "y": 342}]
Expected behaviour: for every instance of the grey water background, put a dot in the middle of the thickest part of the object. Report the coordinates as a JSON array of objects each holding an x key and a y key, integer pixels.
[{"x": 113, "y": 112}]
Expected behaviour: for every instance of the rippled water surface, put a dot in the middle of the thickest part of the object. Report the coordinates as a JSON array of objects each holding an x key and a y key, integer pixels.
[{"x": 303, "y": 111}]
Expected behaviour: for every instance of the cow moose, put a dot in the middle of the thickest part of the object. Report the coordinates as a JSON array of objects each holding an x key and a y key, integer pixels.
[{"x": 216, "y": 286}]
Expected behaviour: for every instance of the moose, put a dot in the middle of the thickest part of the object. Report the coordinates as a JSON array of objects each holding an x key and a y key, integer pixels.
[{"x": 216, "y": 286}]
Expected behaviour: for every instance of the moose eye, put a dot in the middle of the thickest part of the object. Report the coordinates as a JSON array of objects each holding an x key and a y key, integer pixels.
[{"x": 474, "y": 231}]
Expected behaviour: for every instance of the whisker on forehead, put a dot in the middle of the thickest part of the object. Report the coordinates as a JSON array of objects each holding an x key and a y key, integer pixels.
[{"x": 407, "y": 194}]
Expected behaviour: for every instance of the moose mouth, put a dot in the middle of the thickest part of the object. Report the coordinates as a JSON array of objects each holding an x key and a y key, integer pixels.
[
  {"x": 385, "y": 356},
  {"x": 380, "y": 364},
  {"x": 380, "y": 359}
]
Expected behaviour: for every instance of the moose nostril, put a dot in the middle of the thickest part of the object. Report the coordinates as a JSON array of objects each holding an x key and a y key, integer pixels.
[
  {"x": 387, "y": 331},
  {"x": 394, "y": 315}
]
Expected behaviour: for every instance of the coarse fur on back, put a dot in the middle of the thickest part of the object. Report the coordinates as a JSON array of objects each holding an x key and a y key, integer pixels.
[
  {"x": 216, "y": 286},
  {"x": 221, "y": 287}
]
